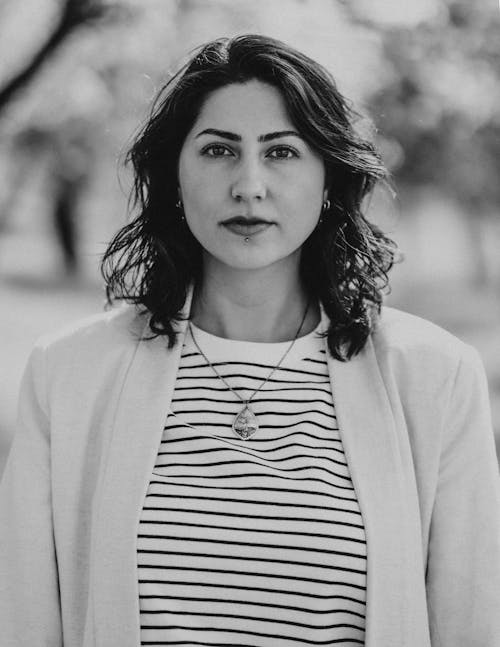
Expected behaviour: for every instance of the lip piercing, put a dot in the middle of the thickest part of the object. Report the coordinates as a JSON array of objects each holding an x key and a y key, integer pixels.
[{"x": 247, "y": 239}]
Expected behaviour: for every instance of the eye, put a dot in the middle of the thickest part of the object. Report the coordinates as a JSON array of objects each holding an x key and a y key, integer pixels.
[
  {"x": 283, "y": 153},
  {"x": 216, "y": 150}
]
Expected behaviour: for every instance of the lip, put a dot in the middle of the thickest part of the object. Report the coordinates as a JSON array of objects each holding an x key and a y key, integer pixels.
[
  {"x": 246, "y": 225},
  {"x": 247, "y": 229},
  {"x": 248, "y": 219}
]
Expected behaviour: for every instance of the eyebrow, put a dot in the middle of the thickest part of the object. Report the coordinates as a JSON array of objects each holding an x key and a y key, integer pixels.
[{"x": 237, "y": 138}]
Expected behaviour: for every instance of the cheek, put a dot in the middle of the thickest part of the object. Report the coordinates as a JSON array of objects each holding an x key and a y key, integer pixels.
[
  {"x": 188, "y": 176},
  {"x": 305, "y": 197},
  {"x": 199, "y": 197},
  {"x": 305, "y": 186},
  {"x": 199, "y": 188}
]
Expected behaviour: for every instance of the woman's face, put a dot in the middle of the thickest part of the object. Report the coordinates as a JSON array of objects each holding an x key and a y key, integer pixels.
[{"x": 244, "y": 161}]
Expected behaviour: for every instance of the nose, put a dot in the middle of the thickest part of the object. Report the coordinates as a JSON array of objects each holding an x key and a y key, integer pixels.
[{"x": 249, "y": 183}]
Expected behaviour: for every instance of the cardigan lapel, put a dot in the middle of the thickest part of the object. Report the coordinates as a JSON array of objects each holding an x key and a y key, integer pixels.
[
  {"x": 137, "y": 432},
  {"x": 388, "y": 505}
]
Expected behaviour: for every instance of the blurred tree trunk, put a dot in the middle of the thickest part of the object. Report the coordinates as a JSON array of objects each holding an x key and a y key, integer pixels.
[
  {"x": 477, "y": 222},
  {"x": 74, "y": 14}
]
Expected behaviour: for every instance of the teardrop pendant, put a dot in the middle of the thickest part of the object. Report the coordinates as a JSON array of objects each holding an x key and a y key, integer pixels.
[{"x": 245, "y": 424}]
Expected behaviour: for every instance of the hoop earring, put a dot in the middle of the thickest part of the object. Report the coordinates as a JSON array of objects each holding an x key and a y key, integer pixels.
[
  {"x": 178, "y": 205},
  {"x": 324, "y": 208}
]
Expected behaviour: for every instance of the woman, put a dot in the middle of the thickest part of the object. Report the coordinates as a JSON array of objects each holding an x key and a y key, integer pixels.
[{"x": 253, "y": 451}]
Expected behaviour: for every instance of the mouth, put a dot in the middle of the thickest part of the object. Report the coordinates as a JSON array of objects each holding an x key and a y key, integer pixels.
[{"x": 246, "y": 226}]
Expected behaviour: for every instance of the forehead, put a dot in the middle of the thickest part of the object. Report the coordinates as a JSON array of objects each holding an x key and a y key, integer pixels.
[{"x": 245, "y": 107}]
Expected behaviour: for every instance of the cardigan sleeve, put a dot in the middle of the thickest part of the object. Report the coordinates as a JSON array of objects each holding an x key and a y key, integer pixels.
[
  {"x": 29, "y": 592},
  {"x": 463, "y": 568}
]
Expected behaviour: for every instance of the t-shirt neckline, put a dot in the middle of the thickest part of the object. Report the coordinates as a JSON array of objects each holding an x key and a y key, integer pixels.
[{"x": 209, "y": 337}]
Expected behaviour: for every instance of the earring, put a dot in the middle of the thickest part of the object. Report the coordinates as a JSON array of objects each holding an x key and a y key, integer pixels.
[
  {"x": 178, "y": 205},
  {"x": 324, "y": 208}
]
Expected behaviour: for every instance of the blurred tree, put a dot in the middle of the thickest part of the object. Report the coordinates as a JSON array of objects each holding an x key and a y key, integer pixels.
[
  {"x": 60, "y": 145},
  {"x": 74, "y": 14},
  {"x": 438, "y": 110}
]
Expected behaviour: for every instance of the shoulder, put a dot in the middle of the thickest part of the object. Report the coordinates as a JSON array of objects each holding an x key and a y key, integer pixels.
[
  {"x": 424, "y": 366},
  {"x": 119, "y": 327},
  {"x": 417, "y": 341},
  {"x": 396, "y": 328},
  {"x": 83, "y": 356}
]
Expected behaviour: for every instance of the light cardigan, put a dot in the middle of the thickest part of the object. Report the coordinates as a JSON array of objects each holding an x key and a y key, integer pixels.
[{"x": 414, "y": 418}]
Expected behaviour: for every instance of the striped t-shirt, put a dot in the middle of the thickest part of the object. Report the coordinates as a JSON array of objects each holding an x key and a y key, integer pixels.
[{"x": 256, "y": 542}]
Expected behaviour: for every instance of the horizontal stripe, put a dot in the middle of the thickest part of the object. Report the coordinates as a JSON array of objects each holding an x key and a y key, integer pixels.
[
  {"x": 280, "y": 400},
  {"x": 253, "y": 366},
  {"x": 249, "y": 501},
  {"x": 274, "y": 450},
  {"x": 230, "y": 542},
  {"x": 260, "y": 603},
  {"x": 253, "y": 589},
  {"x": 260, "y": 634},
  {"x": 222, "y": 488},
  {"x": 257, "y": 475},
  {"x": 251, "y": 618},
  {"x": 274, "y": 560}
]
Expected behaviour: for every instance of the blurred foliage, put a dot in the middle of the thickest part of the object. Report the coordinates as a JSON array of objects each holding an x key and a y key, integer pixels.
[
  {"x": 432, "y": 82},
  {"x": 73, "y": 15},
  {"x": 438, "y": 112},
  {"x": 429, "y": 75},
  {"x": 99, "y": 85}
]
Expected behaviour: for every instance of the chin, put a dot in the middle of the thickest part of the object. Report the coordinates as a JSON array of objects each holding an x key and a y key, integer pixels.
[
  {"x": 251, "y": 257},
  {"x": 249, "y": 262}
]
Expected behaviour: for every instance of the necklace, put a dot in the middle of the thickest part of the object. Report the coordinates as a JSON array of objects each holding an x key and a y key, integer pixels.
[{"x": 245, "y": 424}]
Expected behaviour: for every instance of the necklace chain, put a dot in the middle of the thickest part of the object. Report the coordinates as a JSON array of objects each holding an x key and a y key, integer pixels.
[
  {"x": 275, "y": 368},
  {"x": 248, "y": 427}
]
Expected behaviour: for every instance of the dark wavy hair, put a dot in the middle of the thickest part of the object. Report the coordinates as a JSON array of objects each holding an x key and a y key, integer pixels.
[{"x": 344, "y": 263}]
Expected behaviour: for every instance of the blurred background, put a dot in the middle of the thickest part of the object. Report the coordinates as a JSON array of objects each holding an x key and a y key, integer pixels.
[{"x": 77, "y": 78}]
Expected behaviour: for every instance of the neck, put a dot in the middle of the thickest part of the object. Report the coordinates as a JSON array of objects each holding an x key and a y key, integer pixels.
[{"x": 264, "y": 305}]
